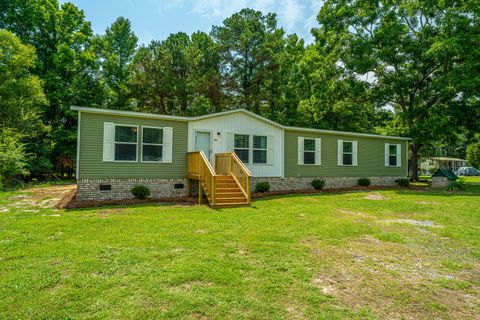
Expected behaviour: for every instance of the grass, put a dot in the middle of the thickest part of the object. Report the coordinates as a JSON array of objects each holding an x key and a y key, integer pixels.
[{"x": 358, "y": 255}]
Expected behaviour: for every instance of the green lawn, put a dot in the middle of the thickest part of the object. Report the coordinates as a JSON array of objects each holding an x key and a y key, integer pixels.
[{"x": 358, "y": 255}]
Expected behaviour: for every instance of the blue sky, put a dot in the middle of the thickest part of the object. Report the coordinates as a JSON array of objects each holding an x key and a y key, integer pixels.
[{"x": 156, "y": 19}]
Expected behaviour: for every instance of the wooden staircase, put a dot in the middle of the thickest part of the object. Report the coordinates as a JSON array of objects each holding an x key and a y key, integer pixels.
[
  {"x": 227, "y": 193},
  {"x": 230, "y": 187}
]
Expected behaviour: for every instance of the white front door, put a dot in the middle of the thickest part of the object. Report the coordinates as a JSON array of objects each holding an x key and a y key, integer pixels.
[{"x": 202, "y": 143}]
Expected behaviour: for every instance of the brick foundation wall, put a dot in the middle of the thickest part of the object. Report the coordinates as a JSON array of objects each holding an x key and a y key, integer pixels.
[
  {"x": 277, "y": 184},
  {"x": 89, "y": 189}
]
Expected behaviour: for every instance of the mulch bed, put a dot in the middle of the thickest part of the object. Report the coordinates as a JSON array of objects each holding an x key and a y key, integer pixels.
[{"x": 69, "y": 201}]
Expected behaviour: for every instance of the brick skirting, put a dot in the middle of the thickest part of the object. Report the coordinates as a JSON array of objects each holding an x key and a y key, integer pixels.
[
  {"x": 303, "y": 183},
  {"x": 89, "y": 189}
]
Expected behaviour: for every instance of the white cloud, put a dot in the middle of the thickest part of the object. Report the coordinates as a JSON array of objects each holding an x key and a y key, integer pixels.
[
  {"x": 297, "y": 16},
  {"x": 291, "y": 13}
]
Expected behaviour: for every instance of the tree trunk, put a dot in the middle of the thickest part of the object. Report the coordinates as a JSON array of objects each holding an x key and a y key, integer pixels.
[{"x": 413, "y": 164}]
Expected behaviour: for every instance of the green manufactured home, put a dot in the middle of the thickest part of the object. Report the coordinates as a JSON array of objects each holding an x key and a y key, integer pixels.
[{"x": 226, "y": 152}]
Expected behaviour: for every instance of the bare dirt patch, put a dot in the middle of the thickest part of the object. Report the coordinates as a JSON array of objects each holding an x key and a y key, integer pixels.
[
  {"x": 354, "y": 213},
  {"x": 375, "y": 196},
  {"x": 427, "y": 202},
  {"x": 397, "y": 281},
  {"x": 42, "y": 197},
  {"x": 413, "y": 222}
]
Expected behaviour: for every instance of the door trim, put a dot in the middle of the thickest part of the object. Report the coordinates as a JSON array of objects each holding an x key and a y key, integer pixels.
[{"x": 210, "y": 132}]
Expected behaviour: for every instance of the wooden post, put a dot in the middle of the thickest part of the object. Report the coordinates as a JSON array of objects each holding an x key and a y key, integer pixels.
[
  {"x": 200, "y": 192},
  {"x": 249, "y": 195},
  {"x": 213, "y": 191}
]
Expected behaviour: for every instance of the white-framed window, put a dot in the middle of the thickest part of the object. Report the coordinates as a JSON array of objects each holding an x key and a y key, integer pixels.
[
  {"x": 152, "y": 144},
  {"x": 309, "y": 151},
  {"x": 393, "y": 155},
  {"x": 125, "y": 143},
  {"x": 347, "y": 153},
  {"x": 259, "y": 149},
  {"x": 241, "y": 144}
]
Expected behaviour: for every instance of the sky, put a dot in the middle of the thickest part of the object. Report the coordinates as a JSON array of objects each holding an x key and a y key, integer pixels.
[{"x": 157, "y": 19}]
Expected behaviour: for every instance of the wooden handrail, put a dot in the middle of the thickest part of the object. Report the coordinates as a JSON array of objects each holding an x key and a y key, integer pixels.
[{"x": 200, "y": 168}]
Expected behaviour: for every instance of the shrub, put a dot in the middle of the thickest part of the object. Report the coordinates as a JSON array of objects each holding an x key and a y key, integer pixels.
[
  {"x": 473, "y": 154},
  {"x": 458, "y": 185},
  {"x": 262, "y": 187},
  {"x": 318, "y": 184},
  {"x": 13, "y": 157},
  {"x": 364, "y": 182},
  {"x": 140, "y": 192},
  {"x": 403, "y": 182}
]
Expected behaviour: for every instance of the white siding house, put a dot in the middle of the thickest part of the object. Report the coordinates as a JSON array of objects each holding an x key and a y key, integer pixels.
[{"x": 223, "y": 133}]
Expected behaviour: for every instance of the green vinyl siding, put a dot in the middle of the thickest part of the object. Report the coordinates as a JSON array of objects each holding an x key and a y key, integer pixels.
[
  {"x": 370, "y": 157},
  {"x": 91, "y": 149}
]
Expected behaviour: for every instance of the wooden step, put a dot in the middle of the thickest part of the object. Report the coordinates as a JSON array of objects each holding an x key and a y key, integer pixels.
[
  {"x": 226, "y": 184},
  {"x": 229, "y": 193},
  {"x": 227, "y": 178},
  {"x": 231, "y": 200},
  {"x": 231, "y": 204}
]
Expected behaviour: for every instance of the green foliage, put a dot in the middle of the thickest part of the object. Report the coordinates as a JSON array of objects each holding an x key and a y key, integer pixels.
[
  {"x": 262, "y": 187},
  {"x": 473, "y": 154},
  {"x": 458, "y": 185},
  {"x": 318, "y": 184},
  {"x": 403, "y": 182},
  {"x": 364, "y": 182},
  {"x": 13, "y": 156},
  {"x": 140, "y": 192},
  {"x": 419, "y": 55}
]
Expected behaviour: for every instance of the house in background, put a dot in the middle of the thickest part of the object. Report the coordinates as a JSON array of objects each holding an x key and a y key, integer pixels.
[
  {"x": 226, "y": 152},
  {"x": 430, "y": 165}
]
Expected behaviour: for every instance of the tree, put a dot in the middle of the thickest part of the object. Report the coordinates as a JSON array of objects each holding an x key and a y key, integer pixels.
[
  {"x": 415, "y": 54},
  {"x": 65, "y": 63},
  {"x": 473, "y": 154},
  {"x": 116, "y": 51},
  {"x": 13, "y": 156},
  {"x": 178, "y": 76},
  {"x": 21, "y": 92},
  {"x": 248, "y": 44}
]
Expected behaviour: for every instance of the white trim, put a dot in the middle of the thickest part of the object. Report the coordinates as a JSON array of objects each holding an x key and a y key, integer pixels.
[
  {"x": 354, "y": 153},
  {"x": 210, "y": 156},
  {"x": 312, "y": 151},
  {"x": 115, "y": 143},
  {"x": 224, "y": 113},
  {"x": 151, "y": 144},
  {"x": 406, "y": 159},
  {"x": 398, "y": 155},
  {"x": 129, "y": 113},
  {"x": 260, "y": 149},
  {"x": 249, "y": 148},
  {"x": 77, "y": 169}
]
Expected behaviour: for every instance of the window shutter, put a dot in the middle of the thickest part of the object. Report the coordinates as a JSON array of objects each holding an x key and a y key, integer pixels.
[
  {"x": 354, "y": 157},
  {"x": 300, "y": 150},
  {"x": 108, "y": 141},
  {"x": 270, "y": 150},
  {"x": 399, "y": 155},
  {"x": 340, "y": 152},
  {"x": 387, "y": 154},
  {"x": 229, "y": 142},
  {"x": 318, "y": 151},
  {"x": 167, "y": 144}
]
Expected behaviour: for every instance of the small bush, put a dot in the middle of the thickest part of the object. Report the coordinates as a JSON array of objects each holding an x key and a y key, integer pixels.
[
  {"x": 364, "y": 182},
  {"x": 140, "y": 192},
  {"x": 318, "y": 184},
  {"x": 403, "y": 182},
  {"x": 458, "y": 185},
  {"x": 262, "y": 187}
]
